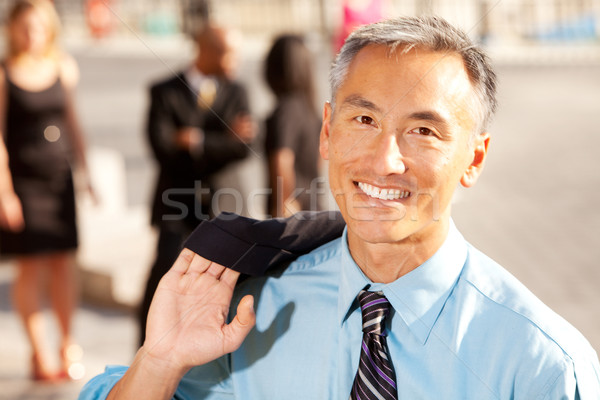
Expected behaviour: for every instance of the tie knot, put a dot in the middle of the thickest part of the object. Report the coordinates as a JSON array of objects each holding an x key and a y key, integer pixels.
[{"x": 374, "y": 307}]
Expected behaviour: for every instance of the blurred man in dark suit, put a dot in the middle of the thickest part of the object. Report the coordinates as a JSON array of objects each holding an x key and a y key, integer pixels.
[{"x": 199, "y": 122}]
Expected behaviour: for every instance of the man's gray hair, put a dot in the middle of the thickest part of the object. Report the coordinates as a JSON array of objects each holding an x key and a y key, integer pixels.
[{"x": 430, "y": 32}]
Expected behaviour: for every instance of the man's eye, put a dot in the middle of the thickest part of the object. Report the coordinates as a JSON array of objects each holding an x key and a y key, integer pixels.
[
  {"x": 363, "y": 119},
  {"x": 423, "y": 131}
]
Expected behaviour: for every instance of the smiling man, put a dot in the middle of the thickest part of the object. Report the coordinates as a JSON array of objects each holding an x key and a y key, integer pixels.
[
  {"x": 400, "y": 306},
  {"x": 399, "y": 138}
]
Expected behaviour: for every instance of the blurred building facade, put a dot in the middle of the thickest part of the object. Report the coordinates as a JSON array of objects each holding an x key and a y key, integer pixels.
[
  {"x": 495, "y": 21},
  {"x": 492, "y": 21}
]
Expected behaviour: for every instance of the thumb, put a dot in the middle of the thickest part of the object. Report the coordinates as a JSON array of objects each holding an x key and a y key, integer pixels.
[{"x": 241, "y": 325}]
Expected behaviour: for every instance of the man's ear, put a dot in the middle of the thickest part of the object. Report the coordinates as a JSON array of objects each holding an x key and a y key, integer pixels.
[
  {"x": 324, "y": 138},
  {"x": 480, "y": 149}
]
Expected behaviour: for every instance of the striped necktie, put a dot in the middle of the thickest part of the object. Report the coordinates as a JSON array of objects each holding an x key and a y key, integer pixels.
[{"x": 375, "y": 378}]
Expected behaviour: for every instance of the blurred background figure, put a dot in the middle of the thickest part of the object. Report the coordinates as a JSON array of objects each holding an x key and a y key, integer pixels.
[
  {"x": 42, "y": 139},
  {"x": 199, "y": 122},
  {"x": 356, "y": 13},
  {"x": 194, "y": 14},
  {"x": 292, "y": 137}
]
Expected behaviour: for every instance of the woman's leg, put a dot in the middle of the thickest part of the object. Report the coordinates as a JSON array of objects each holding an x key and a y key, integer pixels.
[
  {"x": 64, "y": 293},
  {"x": 64, "y": 289},
  {"x": 27, "y": 297}
]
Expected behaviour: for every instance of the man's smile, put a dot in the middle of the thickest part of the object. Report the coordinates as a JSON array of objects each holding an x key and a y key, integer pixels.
[{"x": 381, "y": 193}]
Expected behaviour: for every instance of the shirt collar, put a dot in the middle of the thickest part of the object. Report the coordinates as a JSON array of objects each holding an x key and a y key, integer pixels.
[
  {"x": 417, "y": 297},
  {"x": 194, "y": 77}
]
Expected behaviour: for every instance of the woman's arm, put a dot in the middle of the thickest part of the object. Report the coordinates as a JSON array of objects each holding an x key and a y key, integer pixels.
[
  {"x": 69, "y": 75},
  {"x": 283, "y": 183},
  {"x": 11, "y": 213}
]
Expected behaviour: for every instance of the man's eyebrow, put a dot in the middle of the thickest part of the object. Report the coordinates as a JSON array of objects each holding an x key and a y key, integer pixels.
[
  {"x": 356, "y": 100},
  {"x": 430, "y": 116}
]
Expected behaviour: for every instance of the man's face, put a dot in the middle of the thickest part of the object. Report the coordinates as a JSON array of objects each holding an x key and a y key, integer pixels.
[
  {"x": 399, "y": 141},
  {"x": 221, "y": 55}
]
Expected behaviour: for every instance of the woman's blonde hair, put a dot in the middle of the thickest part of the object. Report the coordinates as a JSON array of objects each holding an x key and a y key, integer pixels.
[{"x": 45, "y": 8}]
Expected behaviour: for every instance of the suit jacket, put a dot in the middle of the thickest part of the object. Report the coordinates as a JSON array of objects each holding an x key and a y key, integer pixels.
[
  {"x": 253, "y": 247},
  {"x": 182, "y": 173}
]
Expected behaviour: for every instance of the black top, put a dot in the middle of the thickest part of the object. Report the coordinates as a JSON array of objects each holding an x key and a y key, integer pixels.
[
  {"x": 35, "y": 134},
  {"x": 295, "y": 125},
  {"x": 40, "y": 156}
]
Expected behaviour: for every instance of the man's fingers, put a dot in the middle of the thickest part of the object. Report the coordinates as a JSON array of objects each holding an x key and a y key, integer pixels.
[
  {"x": 183, "y": 261},
  {"x": 230, "y": 277},
  {"x": 190, "y": 262},
  {"x": 199, "y": 265},
  {"x": 215, "y": 270},
  {"x": 242, "y": 324}
]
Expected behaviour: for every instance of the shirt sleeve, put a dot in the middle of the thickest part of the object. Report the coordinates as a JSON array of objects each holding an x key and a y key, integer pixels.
[
  {"x": 211, "y": 381},
  {"x": 562, "y": 387},
  {"x": 100, "y": 386},
  {"x": 587, "y": 375},
  {"x": 208, "y": 382},
  {"x": 569, "y": 385}
]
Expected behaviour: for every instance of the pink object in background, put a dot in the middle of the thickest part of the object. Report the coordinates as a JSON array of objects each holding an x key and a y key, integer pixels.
[
  {"x": 99, "y": 17},
  {"x": 357, "y": 13}
]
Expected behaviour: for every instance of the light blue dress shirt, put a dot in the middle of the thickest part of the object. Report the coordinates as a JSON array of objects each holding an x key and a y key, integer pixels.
[{"x": 461, "y": 328}]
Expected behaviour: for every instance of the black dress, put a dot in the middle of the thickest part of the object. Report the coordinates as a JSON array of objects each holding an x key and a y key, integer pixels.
[
  {"x": 40, "y": 154},
  {"x": 294, "y": 125}
]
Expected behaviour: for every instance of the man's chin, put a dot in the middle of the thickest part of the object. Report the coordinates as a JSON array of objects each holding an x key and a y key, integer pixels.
[
  {"x": 378, "y": 231},
  {"x": 396, "y": 214}
]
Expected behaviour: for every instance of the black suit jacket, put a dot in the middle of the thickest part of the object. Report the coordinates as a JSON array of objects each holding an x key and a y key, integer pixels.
[
  {"x": 181, "y": 173},
  {"x": 253, "y": 247}
]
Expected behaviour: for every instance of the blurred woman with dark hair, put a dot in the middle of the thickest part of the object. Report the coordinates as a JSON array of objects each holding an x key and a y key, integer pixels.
[
  {"x": 292, "y": 139},
  {"x": 39, "y": 140}
]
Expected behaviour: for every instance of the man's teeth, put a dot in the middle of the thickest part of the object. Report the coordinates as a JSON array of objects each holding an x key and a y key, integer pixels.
[{"x": 383, "y": 194}]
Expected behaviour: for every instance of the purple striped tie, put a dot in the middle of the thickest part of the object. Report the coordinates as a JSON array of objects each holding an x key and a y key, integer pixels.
[{"x": 375, "y": 378}]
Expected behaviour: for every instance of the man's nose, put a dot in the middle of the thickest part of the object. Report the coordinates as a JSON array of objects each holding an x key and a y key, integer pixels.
[{"x": 387, "y": 157}]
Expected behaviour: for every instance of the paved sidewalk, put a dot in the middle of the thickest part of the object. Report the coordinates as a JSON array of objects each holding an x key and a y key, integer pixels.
[{"x": 106, "y": 335}]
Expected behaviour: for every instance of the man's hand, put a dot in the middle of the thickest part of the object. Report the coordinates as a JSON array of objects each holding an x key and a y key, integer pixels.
[
  {"x": 189, "y": 138},
  {"x": 187, "y": 318},
  {"x": 186, "y": 327},
  {"x": 244, "y": 128}
]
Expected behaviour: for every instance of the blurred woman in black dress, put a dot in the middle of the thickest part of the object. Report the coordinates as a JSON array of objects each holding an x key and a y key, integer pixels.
[
  {"x": 292, "y": 137},
  {"x": 41, "y": 139}
]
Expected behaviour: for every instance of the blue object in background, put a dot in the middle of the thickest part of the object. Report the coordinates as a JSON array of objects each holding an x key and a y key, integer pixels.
[{"x": 580, "y": 28}]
